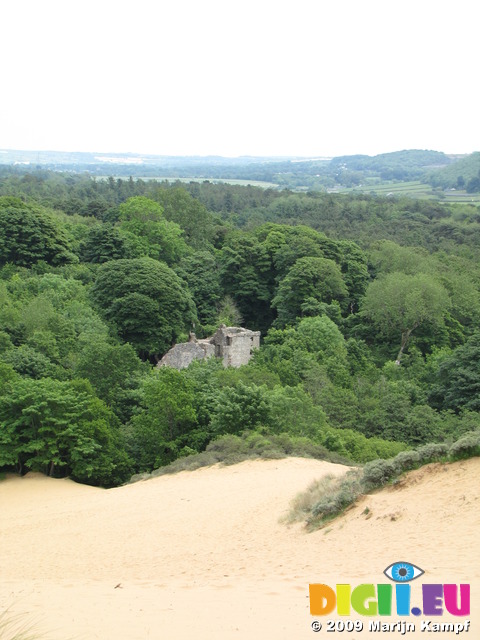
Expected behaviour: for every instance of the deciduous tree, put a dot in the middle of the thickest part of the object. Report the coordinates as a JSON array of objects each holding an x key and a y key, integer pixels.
[
  {"x": 148, "y": 303},
  {"x": 318, "y": 279},
  {"x": 400, "y": 303},
  {"x": 29, "y": 234},
  {"x": 159, "y": 238},
  {"x": 161, "y": 428}
]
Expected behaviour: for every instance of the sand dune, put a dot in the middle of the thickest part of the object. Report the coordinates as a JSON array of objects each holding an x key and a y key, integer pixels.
[{"x": 202, "y": 554}]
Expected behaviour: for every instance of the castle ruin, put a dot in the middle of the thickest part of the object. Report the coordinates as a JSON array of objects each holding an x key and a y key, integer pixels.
[{"x": 233, "y": 345}]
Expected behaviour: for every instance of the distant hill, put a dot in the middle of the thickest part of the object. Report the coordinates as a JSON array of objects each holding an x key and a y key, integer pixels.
[
  {"x": 461, "y": 174},
  {"x": 398, "y": 165}
]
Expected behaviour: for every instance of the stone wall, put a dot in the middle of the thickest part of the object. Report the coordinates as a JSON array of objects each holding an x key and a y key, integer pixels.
[{"x": 184, "y": 353}]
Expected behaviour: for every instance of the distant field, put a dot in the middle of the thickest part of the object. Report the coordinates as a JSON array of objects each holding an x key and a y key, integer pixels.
[
  {"x": 462, "y": 196},
  {"x": 415, "y": 189},
  {"x": 243, "y": 183}
]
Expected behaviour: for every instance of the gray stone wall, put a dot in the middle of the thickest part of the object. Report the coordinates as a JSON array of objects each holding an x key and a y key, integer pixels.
[{"x": 184, "y": 353}]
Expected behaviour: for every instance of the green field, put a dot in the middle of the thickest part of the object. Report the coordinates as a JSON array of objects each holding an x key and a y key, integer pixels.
[{"x": 415, "y": 189}]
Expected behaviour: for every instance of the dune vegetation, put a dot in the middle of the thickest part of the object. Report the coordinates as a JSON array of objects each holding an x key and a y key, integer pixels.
[{"x": 330, "y": 496}]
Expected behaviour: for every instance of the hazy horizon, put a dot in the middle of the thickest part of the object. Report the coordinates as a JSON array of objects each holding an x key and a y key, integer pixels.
[
  {"x": 261, "y": 79},
  {"x": 138, "y": 154}
]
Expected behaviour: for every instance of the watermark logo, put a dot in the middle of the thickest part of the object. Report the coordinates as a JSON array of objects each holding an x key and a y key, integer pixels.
[{"x": 390, "y": 599}]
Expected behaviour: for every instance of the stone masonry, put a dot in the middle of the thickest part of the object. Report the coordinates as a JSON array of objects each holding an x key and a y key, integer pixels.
[{"x": 233, "y": 345}]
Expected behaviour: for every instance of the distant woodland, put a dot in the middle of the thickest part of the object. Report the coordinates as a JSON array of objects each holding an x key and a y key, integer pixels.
[
  {"x": 405, "y": 170},
  {"x": 369, "y": 309}
]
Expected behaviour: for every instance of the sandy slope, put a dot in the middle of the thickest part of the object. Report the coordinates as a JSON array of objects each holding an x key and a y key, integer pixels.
[{"x": 202, "y": 554}]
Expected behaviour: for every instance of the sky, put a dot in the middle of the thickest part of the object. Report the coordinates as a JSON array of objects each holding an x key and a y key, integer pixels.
[{"x": 218, "y": 77}]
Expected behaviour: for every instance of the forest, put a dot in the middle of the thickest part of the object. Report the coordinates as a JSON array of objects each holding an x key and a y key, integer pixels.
[{"x": 369, "y": 309}]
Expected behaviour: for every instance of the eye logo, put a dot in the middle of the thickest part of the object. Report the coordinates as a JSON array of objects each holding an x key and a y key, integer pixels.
[{"x": 403, "y": 571}]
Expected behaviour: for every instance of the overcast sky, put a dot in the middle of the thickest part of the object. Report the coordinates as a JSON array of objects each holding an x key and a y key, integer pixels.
[{"x": 261, "y": 77}]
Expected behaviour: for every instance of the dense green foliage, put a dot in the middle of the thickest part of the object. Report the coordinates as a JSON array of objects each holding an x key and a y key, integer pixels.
[
  {"x": 29, "y": 234},
  {"x": 146, "y": 301},
  {"x": 49, "y": 425},
  {"x": 98, "y": 278}
]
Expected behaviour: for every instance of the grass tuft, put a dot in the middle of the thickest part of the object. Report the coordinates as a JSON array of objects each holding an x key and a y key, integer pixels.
[{"x": 14, "y": 627}]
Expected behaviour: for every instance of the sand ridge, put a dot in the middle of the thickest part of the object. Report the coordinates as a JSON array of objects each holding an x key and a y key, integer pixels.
[{"x": 203, "y": 555}]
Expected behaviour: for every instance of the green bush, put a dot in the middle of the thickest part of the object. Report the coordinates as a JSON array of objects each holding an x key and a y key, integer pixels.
[
  {"x": 357, "y": 447},
  {"x": 378, "y": 472},
  {"x": 432, "y": 452},
  {"x": 406, "y": 460},
  {"x": 467, "y": 447},
  {"x": 348, "y": 489}
]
